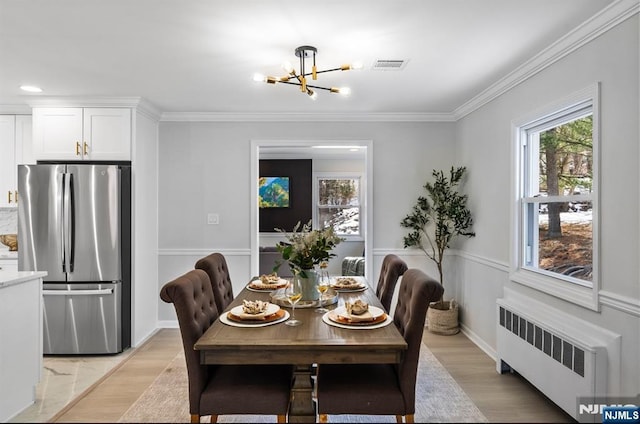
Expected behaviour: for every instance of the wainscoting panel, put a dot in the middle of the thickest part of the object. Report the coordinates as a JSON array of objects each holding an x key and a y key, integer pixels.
[{"x": 175, "y": 262}]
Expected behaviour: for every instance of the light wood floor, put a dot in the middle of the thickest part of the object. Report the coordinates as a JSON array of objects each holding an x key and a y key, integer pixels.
[{"x": 501, "y": 398}]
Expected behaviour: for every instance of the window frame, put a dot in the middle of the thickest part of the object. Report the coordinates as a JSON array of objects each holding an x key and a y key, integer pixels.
[
  {"x": 316, "y": 199},
  {"x": 580, "y": 292}
]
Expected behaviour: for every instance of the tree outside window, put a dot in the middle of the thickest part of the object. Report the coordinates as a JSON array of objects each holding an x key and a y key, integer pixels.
[
  {"x": 557, "y": 199},
  {"x": 338, "y": 204}
]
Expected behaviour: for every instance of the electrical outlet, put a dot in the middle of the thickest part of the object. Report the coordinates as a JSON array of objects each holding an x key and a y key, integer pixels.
[{"x": 213, "y": 219}]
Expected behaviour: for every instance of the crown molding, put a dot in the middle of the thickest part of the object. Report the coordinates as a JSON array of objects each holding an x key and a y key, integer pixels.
[
  {"x": 83, "y": 101},
  {"x": 592, "y": 28},
  {"x": 15, "y": 110},
  {"x": 304, "y": 117}
]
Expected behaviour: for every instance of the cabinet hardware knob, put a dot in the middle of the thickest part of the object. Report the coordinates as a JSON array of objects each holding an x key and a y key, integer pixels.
[
  {"x": 77, "y": 148},
  {"x": 86, "y": 149},
  {"x": 15, "y": 196},
  {"x": 9, "y": 198}
]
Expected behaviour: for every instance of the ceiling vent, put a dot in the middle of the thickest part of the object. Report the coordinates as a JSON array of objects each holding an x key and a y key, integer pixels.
[{"x": 389, "y": 64}]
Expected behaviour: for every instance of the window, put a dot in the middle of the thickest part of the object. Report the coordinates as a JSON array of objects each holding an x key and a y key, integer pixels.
[
  {"x": 557, "y": 201},
  {"x": 338, "y": 203}
]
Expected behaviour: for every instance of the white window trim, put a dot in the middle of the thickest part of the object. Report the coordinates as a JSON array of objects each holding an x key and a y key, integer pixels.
[
  {"x": 587, "y": 297},
  {"x": 337, "y": 176}
]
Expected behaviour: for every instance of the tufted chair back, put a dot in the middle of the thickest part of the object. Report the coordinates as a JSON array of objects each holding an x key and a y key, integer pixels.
[
  {"x": 392, "y": 268},
  {"x": 192, "y": 298},
  {"x": 417, "y": 290},
  {"x": 215, "y": 265}
]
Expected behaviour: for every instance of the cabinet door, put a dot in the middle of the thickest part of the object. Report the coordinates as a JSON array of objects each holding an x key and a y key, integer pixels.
[
  {"x": 9, "y": 265},
  {"x": 24, "y": 140},
  {"x": 107, "y": 132},
  {"x": 8, "y": 168},
  {"x": 57, "y": 133}
]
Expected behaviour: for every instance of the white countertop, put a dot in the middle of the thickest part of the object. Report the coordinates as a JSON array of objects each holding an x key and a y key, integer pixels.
[
  {"x": 10, "y": 278},
  {"x": 6, "y": 254}
]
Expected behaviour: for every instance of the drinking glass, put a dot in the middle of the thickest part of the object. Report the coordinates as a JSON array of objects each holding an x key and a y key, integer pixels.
[
  {"x": 293, "y": 293},
  {"x": 322, "y": 287}
]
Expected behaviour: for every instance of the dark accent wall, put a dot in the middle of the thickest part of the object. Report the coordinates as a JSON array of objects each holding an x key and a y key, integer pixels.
[{"x": 300, "y": 194}]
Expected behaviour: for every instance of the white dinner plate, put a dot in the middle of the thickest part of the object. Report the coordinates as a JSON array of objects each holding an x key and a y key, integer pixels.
[
  {"x": 239, "y": 312},
  {"x": 360, "y": 285},
  {"x": 265, "y": 289}
]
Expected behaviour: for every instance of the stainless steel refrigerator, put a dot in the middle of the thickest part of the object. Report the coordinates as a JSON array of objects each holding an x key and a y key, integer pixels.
[{"x": 74, "y": 223}]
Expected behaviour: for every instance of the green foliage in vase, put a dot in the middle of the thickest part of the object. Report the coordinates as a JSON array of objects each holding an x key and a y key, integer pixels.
[{"x": 306, "y": 248}]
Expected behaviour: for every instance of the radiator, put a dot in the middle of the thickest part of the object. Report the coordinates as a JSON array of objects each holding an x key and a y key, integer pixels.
[{"x": 565, "y": 357}]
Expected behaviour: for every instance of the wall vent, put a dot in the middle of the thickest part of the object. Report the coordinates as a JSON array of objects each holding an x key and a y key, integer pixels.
[{"x": 389, "y": 64}]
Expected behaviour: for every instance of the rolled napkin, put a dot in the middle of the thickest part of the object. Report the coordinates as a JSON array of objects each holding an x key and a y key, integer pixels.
[
  {"x": 357, "y": 311},
  {"x": 270, "y": 278},
  {"x": 346, "y": 283},
  {"x": 254, "y": 307}
]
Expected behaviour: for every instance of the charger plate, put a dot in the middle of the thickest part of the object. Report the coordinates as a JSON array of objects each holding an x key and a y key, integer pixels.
[
  {"x": 251, "y": 324},
  {"x": 357, "y": 326},
  {"x": 256, "y": 285}
]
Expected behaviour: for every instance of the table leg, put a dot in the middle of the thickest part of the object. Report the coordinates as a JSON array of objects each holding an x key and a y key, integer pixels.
[{"x": 302, "y": 409}]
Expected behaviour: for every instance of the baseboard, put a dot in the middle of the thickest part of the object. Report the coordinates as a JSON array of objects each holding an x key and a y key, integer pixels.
[
  {"x": 477, "y": 340},
  {"x": 167, "y": 324}
]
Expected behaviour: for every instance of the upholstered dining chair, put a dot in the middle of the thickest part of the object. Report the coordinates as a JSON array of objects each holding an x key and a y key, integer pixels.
[
  {"x": 390, "y": 271},
  {"x": 383, "y": 389},
  {"x": 215, "y": 265},
  {"x": 222, "y": 389}
]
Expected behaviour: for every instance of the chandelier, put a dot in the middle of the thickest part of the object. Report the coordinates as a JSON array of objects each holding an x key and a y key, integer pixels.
[{"x": 299, "y": 78}]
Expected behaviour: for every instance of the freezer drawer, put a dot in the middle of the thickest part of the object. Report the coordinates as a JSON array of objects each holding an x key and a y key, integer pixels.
[{"x": 82, "y": 318}]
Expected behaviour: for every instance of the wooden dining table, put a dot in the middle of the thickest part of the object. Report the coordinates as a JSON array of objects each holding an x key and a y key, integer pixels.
[{"x": 312, "y": 342}]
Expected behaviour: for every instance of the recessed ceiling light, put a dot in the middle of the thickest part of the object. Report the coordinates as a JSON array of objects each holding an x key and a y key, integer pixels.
[{"x": 31, "y": 88}]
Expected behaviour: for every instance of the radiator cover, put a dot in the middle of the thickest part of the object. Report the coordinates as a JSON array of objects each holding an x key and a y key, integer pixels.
[{"x": 563, "y": 356}]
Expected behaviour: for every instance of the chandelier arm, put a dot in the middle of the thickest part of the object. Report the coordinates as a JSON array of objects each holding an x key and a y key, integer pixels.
[
  {"x": 309, "y": 86},
  {"x": 289, "y": 82},
  {"x": 326, "y": 70},
  {"x": 318, "y": 87}
]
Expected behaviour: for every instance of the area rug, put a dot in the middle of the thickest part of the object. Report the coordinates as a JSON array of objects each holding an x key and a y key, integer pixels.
[{"x": 438, "y": 399}]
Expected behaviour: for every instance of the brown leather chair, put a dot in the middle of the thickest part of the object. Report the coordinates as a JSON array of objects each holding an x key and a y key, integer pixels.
[
  {"x": 215, "y": 265},
  {"x": 383, "y": 389},
  {"x": 392, "y": 268},
  {"x": 222, "y": 389}
]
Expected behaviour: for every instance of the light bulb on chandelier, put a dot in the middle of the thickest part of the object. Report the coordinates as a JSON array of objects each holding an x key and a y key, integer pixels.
[{"x": 300, "y": 78}]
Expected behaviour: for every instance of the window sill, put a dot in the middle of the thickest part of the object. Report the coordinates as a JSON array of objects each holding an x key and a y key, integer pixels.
[{"x": 587, "y": 297}]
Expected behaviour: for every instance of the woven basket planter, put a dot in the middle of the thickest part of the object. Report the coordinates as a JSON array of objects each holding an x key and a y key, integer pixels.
[{"x": 442, "y": 318}]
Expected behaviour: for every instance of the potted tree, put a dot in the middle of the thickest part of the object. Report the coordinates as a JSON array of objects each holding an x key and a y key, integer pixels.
[{"x": 434, "y": 222}]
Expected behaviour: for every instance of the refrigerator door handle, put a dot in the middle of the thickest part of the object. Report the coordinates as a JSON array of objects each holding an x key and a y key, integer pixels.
[
  {"x": 61, "y": 214},
  {"x": 68, "y": 222},
  {"x": 77, "y": 292}
]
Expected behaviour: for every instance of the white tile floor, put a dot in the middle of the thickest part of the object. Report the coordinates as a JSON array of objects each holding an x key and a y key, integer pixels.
[{"x": 64, "y": 378}]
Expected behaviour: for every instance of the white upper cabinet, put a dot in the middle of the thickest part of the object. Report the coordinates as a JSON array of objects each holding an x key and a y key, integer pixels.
[
  {"x": 68, "y": 133},
  {"x": 15, "y": 149}
]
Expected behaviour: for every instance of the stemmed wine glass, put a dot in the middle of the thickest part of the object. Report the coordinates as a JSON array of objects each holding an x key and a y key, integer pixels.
[
  {"x": 293, "y": 293},
  {"x": 322, "y": 286}
]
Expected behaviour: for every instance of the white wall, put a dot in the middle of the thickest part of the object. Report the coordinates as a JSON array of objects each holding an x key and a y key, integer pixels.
[
  {"x": 204, "y": 167},
  {"x": 144, "y": 293},
  {"x": 484, "y": 146}
]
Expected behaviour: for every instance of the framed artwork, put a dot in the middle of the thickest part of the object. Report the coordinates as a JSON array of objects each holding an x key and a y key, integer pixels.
[{"x": 273, "y": 192}]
